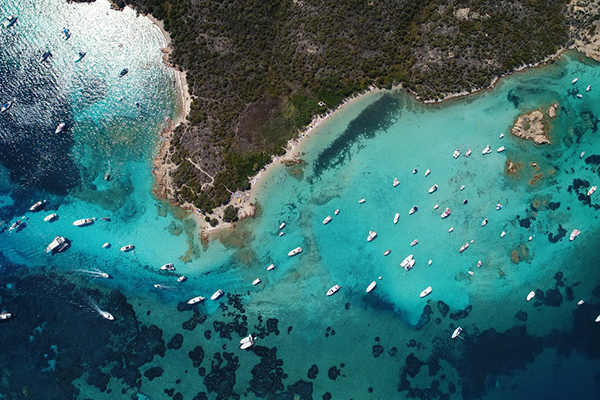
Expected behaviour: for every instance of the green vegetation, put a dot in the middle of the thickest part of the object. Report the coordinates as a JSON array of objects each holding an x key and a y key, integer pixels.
[{"x": 257, "y": 69}]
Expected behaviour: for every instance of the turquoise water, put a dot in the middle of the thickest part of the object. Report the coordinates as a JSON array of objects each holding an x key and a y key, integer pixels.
[{"x": 389, "y": 343}]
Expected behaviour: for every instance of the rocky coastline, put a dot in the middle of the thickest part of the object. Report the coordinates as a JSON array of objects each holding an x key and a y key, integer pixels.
[{"x": 534, "y": 125}]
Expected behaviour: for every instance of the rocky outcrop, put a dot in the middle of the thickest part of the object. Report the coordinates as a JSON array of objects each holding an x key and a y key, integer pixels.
[{"x": 531, "y": 127}]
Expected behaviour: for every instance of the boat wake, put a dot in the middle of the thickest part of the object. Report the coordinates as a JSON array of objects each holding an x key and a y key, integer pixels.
[
  {"x": 94, "y": 273},
  {"x": 96, "y": 307}
]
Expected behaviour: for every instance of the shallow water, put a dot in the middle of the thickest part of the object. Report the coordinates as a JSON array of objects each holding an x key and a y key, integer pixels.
[{"x": 389, "y": 343}]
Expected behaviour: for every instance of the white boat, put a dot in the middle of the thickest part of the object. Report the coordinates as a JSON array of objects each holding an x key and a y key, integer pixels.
[
  {"x": 487, "y": 150},
  {"x": 468, "y": 153},
  {"x": 37, "y": 206},
  {"x": 337, "y": 211},
  {"x": 127, "y": 248},
  {"x": 498, "y": 206},
  {"x": 427, "y": 172},
  {"x": 83, "y": 222},
  {"x": 433, "y": 188},
  {"x": 256, "y": 282},
  {"x": 484, "y": 222},
  {"x": 430, "y": 262},
  {"x": 574, "y": 81},
  {"x": 410, "y": 264},
  {"x": 15, "y": 225},
  {"x": 60, "y": 128},
  {"x": 297, "y": 250},
  {"x": 597, "y": 319},
  {"x": 587, "y": 89},
  {"x": 406, "y": 261},
  {"x": 54, "y": 245},
  {"x": 413, "y": 210},
  {"x": 247, "y": 339},
  {"x": 361, "y": 201},
  {"x": 333, "y": 290},
  {"x": 479, "y": 264},
  {"x": 270, "y": 267},
  {"x": 327, "y": 220},
  {"x": 281, "y": 233},
  {"x": 530, "y": 238},
  {"x": 79, "y": 56},
  {"x": 414, "y": 242},
  {"x": 5, "y": 315},
  {"x": 456, "y": 153},
  {"x": 107, "y": 315},
  {"x": 106, "y": 245},
  {"x": 503, "y": 234},
  {"x": 463, "y": 247},
  {"x": 415, "y": 171},
  {"x": 157, "y": 286},
  {"x": 396, "y": 218},
  {"x": 501, "y": 149},
  {"x": 456, "y": 332},
  {"x": 462, "y": 188},
  {"x": 531, "y": 295},
  {"x": 182, "y": 278},
  {"x": 196, "y": 300},
  {"x": 396, "y": 182},
  {"x": 446, "y": 213},
  {"x": 580, "y": 302},
  {"x": 217, "y": 294},
  {"x": 6, "y": 106},
  {"x": 451, "y": 230},
  {"x": 387, "y": 252},
  {"x": 592, "y": 190},
  {"x": 247, "y": 342},
  {"x": 168, "y": 267},
  {"x": 50, "y": 217},
  {"x": 282, "y": 225},
  {"x": 579, "y": 96},
  {"x": 426, "y": 291},
  {"x": 501, "y": 136},
  {"x": 574, "y": 234},
  {"x": 470, "y": 273},
  {"x": 371, "y": 286},
  {"x": 372, "y": 235},
  {"x": 436, "y": 206}
]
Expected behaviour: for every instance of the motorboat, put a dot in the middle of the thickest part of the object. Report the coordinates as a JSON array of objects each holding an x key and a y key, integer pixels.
[
  {"x": 371, "y": 286},
  {"x": 106, "y": 245},
  {"x": 297, "y": 250},
  {"x": 498, "y": 206},
  {"x": 157, "y": 286},
  {"x": 6, "y": 106},
  {"x": 271, "y": 267},
  {"x": 123, "y": 72},
  {"x": 484, "y": 222},
  {"x": 327, "y": 220},
  {"x": 256, "y": 282},
  {"x": 463, "y": 247},
  {"x": 37, "y": 206},
  {"x": 410, "y": 264},
  {"x": 45, "y": 56},
  {"x": 462, "y": 188},
  {"x": 574, "y": 81},
  {"x": 83, "y": 222},
  {"x": 587, "y": 89},
  {"x": 60, "y": 128},
  {"x": 592, "y": 190},
  {"x": 579, "y": 96},
  {"x": 468, "y": 153},
  {"x": 127, "y": 248},
  {"x": 450, "y": 230},
  {"x": 530, "y": 238},
  {"x": 436, "y": 206},
  {"x": 582, "y": 154},
  {"x": 333, "y": 290},
  {"x": 503, "y": 234},
  {"x": 217, "y": 294},
  {"x": 5, "y": 315},
  {"x": 415, "y": 171},
  {"x": 337, "y": 211},
  {"x": 426, "y": 291},
  {"x": 15, "y": 225},
  {"x": 387, "y": 252},
  {"x": 487, "y": 150},
  {"x": 66, "y": 34},
  {"x": 531, "y": 295},
  {"x": 372, "y": 235},
  {"x": 446, "y": 213},
  {"x": 501, "y": 149},
  {"x": 182, "y": 278},
  {"x": 414, "y": 242},
  {"x": 457, "y": 332},
  {"x": 470, "y": 273},
  {"x": 456, "y": 153},
  {"x": 427, "y": 172},
  {"x": 168, "y": 267},
  {"x": 396, "y": 218},
  {"x": 433, "y": 189},
  {"x": 282, "y": 225},
  {"x": 396, "y": 182},
  {"x": 196, "y": 300},
  {"x": 574, "y": 234},
  {"x": 107, "y": 315},
  {"x": 246, "y": 342},
  {"x": 501, "y": 136},
  {"x": 55, "y": 244},
  {"x": 413, "y": 210},
  {"x": 597, "y": 319},
  {"x": 580, "y": 302},
  {"x": 10, "y": 21},
  {"x": 107, "y": 177},
  {"x": 406, "y": 261},
  {"x": 361, "y": 201},
  {"x": 430, "y": 262},
  {"x": 80, "y": 56},
  {"x": 479, "y": 264},
  {"x": 50, "y": 217},
  {"x": 281, "y": 233}
]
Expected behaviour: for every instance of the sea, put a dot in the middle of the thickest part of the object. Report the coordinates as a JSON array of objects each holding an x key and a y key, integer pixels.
[{"x": 389, "y": 343}]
